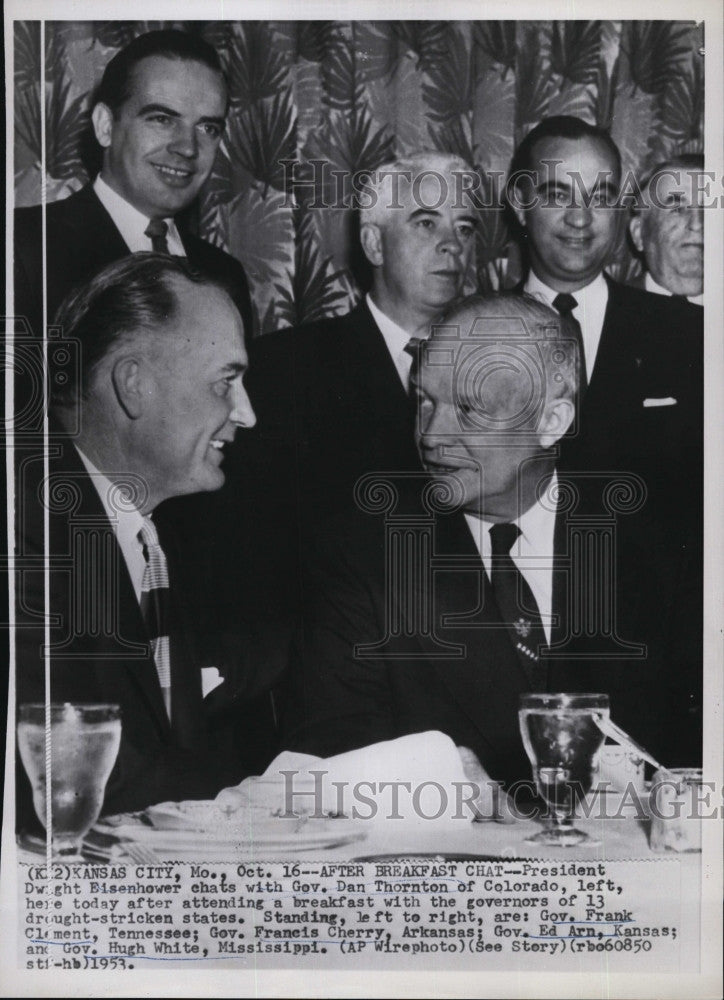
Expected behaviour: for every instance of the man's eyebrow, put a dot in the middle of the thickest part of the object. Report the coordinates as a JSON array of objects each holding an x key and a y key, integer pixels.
[
  {"x": 423, "y": 211},
  {"x": 234, "y": 368},
  {"x": 149, "y": 108},
  {"x": 418, "y": 212},
  {"x": 162, "y": 109}
]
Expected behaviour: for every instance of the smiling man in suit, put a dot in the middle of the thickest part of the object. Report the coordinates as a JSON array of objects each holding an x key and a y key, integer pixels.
[
  {"x": 506, "y": 578},
  {"x": 158, "y": 118},
  {"x": 642, "y": 377},
  {"x": 146, "y": 415}
]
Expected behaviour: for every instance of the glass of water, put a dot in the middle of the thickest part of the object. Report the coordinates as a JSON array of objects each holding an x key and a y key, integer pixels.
[{"x": 74, "y": 747}]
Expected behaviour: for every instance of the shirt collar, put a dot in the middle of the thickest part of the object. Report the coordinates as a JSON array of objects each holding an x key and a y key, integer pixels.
[
  {"x": 125, "y": 519},
  {"x": 395, "y": 337},
  {"x": 596, "y": 290},
  {"x": 653, "y": 286},
  {"x": 537, "y": 526},
  {"x": 131, "y": 223}
]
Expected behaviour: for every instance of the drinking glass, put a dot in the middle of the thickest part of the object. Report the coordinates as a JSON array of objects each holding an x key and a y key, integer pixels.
[
  {"x": 77, "y": 746},
  {"x": 562, "y": 738}
]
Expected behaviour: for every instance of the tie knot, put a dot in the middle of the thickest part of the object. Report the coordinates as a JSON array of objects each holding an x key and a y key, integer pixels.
[
  {"x": 412, "y": 347},
  {"x": 502, "y": 537},
  {"x": 148, "y": 534},
  {"x": 156, "y": 228},
  {"x": 565, "y": 303}
]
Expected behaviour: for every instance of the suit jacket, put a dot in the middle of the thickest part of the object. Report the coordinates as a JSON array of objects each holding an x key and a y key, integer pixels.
[
  {"x": 650, "y": 352},
  {"x": 367, "y": 670},
  {"x": 330, "y": 407},
  {"x": 99, "y": 647},
  {"x": 81, "y": 239}
]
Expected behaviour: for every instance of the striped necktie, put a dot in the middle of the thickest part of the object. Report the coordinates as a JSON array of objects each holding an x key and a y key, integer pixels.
[{"x": 154, "y": 606}]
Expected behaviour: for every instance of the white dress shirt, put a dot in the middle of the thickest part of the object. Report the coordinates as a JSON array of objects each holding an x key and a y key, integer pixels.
[
  {"x": 653, "y": 286},
  {"x": 590, "y": 311},
  {"x": 126, "y": 523},
  {"x": 131, "y": 223},
  {"x": 532, "y": 553},
  {"x": 396, "y": 340}
]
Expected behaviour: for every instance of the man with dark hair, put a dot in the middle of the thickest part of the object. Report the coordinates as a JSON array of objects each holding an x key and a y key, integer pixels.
[
  {"x": 158, "y": 118},
  {"x": 642, "y": 373},
  {"x": 502, "y": 575},
  {"x": 147, "y": 416},
  {"x": 667, "y": 230}
]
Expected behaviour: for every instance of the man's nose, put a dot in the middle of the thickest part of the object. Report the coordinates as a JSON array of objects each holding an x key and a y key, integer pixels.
[
  {"x": 242, "y": 412},
  {"x": 579, "y": 215},
  {"x": 450, "y": 243},
  {"x": 695, "y": 218},
  {"x": 185, "y": 141}
]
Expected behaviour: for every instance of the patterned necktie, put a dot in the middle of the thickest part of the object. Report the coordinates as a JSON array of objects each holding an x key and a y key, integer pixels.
[
  {"x": 154, "y": 606},
  {"x": 517, "y": 604},
  {"x": 565, "y": 303},
  {"x": 156, "y": 231}
]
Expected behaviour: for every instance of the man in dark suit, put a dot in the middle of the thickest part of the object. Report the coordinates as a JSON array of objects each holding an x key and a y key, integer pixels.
[
  {"x": 332, "y": 396},
  {"x": 667, "y": 227},
  {"x": 147, "y": 415},
  {"x": 507, "y": 578},
  {"x": 640, "y": 350},
  {"x": 158, "y": 117}
]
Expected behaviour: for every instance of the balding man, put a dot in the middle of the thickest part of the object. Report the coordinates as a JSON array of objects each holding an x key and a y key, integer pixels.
[
  {"x": 501, "y": 580},
  {"x": 146, "y": 415},
  {"x": 667, "y": 229}
]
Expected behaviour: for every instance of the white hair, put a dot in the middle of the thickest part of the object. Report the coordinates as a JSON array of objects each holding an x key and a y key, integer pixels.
[{"x": 379, "y": 195}]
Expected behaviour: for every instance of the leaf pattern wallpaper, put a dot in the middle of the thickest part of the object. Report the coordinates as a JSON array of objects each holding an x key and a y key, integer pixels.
[{"x": 315, "y": 102}]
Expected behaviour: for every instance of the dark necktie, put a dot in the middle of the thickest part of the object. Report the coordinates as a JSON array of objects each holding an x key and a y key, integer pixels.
[
  {"x": 156, "y": 231},
  {"x": 154, "y": 606},
  {"x": 517, "y": 605},
  {"x": 565, "y": 303},
  {"x": 413, "y": 347}
]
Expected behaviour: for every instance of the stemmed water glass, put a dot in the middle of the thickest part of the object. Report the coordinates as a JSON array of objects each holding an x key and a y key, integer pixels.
[{"x": 562, "y": 738}]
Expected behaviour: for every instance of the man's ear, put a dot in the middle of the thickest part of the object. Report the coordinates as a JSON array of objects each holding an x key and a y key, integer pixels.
[
  {"x": 635, "y": 227},
  {"x": 102, "y": 118},
  {"x": 515, "y": 207},
  {"x": 129, "y": 386},
  {"x": 556, "y": 420},
  {"x": 371, "y": 239}
]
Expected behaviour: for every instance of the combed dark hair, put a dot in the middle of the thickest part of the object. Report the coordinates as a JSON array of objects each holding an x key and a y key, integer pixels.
[
  {"x": 115, "y": 86},
  {"x": 560, "y": 127},
  {"x": 134, "y": 293}
]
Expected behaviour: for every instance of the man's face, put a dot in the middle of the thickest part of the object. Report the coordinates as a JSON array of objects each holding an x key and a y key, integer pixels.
[
  {"x": 474, "y": 421},
  {"x": 195, "y": 398},
  {"x": 161, "y": 147},
  {"x": 426, "y": 246},
  {"x": 571, "y": 228},
  {"x": 670, "y": 232}
]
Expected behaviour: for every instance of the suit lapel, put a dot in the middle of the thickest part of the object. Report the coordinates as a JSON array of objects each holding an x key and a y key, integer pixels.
[
  {"x": 133, "y": 651},
  {"x": 94, "y": 231},
  {"x": 489, "y": 672}
]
